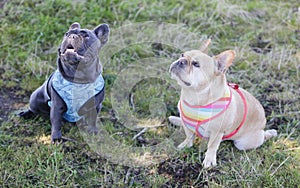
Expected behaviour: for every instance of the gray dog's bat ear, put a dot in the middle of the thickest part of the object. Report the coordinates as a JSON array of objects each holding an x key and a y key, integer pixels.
[
  {"x": 75, "y": 25},
  {"x": 102, "y": 32},
  {"x": 204, "y": 46}
]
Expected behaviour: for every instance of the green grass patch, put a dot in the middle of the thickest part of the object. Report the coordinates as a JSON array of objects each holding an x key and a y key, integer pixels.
[{"x": 140, "y": 93}]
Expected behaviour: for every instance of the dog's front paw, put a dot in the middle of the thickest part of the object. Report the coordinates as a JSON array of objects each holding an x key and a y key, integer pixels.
[
  {"x": 209, "y": 161},
  {"x": 92, "y": 130},
  {"x": 270, "y": 133},
  {"x": 62, "y": 140},
  {"x": 56, "y": 137},
  {"x": 188, "y": 142}
]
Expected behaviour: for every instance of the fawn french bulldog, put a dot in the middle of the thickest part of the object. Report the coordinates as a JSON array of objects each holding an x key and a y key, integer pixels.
[
  {"x": 214, "y": 109},
  {"x": 75, "y": 91}
]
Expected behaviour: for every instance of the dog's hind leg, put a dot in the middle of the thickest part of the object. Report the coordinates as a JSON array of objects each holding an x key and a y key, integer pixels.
[
  {"x": 254, "y": 139},
  {"x": 26, "y": 114},
  {"x": 270, "y": 133},
  {"x": 38, "y": 103}
]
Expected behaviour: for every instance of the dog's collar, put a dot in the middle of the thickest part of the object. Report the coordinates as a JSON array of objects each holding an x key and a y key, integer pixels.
[{"x": 194, "y": 116}]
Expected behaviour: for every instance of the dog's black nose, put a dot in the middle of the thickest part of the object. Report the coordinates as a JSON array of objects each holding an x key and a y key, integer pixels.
[{"x": 73, "y": 36}]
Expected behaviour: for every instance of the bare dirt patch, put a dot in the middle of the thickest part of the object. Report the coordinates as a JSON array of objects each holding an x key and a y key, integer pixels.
[{"x": 8, "y": 103}]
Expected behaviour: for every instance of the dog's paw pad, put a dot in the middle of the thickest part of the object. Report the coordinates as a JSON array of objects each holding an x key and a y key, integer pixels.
[{"x": 209, "y": 163}]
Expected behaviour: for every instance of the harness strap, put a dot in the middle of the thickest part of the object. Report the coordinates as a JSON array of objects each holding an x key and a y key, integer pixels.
[
  {"x": 209, "y": 119},
  {"x": 236, "y": 88}
]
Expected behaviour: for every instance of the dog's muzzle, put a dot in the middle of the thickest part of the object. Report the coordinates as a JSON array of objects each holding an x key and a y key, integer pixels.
[
  {"x": 177, "y": 68},
  {"x": 177, "y": 65}
]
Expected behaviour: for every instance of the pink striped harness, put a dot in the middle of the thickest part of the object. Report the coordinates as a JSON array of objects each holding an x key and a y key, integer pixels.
[{"x": 194, "y": 116}]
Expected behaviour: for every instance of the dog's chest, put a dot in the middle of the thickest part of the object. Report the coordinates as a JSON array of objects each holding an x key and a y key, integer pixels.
[
  {"x": 198, "y": 118},
  {"x": 74, "y": 95}
]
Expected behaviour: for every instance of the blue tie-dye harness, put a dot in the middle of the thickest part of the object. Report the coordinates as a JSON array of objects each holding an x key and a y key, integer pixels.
[{"x": 74, "y": 95}]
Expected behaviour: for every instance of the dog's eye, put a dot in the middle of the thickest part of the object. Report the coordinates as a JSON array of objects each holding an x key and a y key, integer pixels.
[
  {"x": 195, "y": 64},
  {"x": 66, "y": 34},
  {"x": 84, "y": 34}
]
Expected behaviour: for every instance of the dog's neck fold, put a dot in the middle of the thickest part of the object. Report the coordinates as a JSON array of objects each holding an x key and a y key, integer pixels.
[
  {"x": 206, "y": 95},
  {"x": 82, "y": 73}
]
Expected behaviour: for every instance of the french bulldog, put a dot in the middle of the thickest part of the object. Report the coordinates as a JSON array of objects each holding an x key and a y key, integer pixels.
[
  {"x": 75, "y": 91},
  {"x": 214, "y": 109}
]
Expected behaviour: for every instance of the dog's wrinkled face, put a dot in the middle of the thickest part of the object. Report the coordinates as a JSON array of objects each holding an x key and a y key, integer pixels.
[
  {"x": 195, "y": 69},
  {"x": 82, "y": 44},
  {"x": 192, "y": 69}
]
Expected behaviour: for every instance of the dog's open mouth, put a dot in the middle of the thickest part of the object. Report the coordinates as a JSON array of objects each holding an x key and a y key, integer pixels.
[
  {"x": 70, "y": 48},
  {"x": 69, "y": 54}
]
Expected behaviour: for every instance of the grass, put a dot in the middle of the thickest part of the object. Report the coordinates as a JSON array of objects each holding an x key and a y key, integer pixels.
[{"x": 265, "y": 37}]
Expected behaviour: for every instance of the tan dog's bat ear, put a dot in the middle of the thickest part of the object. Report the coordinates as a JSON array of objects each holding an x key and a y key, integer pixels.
[
  {"x": 75, "y": 25},
  {"x": 204, "y": 47},
  {"x": 223, "y": 61}
]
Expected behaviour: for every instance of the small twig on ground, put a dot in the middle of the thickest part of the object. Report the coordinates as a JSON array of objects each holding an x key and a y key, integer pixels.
[
  {"x": 140, "y": 133},
  {"x": 272, "y": 174},
  {"x": 68, "y": 139},
  {"x": 127, "y": 176}
]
